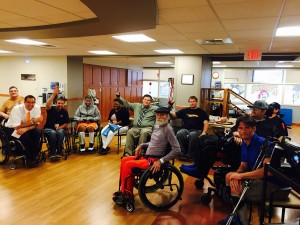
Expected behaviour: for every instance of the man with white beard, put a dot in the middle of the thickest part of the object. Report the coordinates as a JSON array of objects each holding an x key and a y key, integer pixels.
[{"x": 155, "y": 155}]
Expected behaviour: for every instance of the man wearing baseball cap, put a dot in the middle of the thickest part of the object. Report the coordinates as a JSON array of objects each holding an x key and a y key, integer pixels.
[{"x": 155, "y": 155}]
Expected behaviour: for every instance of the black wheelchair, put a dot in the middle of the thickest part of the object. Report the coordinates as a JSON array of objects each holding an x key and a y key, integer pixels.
[
  {"x": 12, "y": 147},
  {"x": 159, "y": 191},
  {"x": 76, "y": 138}
]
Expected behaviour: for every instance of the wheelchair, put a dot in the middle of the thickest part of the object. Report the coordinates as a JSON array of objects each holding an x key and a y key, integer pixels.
[
  {"x": 66, "y": 145},
  {"x": 12, "y": 147},
  {"x": 76, "y": 138},
  {"x": 159, "y": 191}
]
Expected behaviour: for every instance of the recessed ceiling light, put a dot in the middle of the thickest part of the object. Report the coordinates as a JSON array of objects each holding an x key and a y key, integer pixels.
[
  {"x": 169, "y": 51},
  {"x": 3, "y": 51},
  {"x": 288, "y": 31},
  {"x": 134, "y": 38},
  {"x": 24, "y": 41},
  {"x": 103, "y": 52},
  {"x": 164, "y": 63}
]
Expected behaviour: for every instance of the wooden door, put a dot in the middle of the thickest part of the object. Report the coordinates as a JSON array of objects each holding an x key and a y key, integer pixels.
[
  {"x": 88, "y": 75},
  {"x": 114, "y": 77},
  {"x": 97, "y": 76},
  {"x": 106, "y": 76},
  {"x": 122, "y": 78}
]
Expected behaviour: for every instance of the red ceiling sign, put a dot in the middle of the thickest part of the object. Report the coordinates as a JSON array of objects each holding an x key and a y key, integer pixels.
[{"x": 254, "y": 55}]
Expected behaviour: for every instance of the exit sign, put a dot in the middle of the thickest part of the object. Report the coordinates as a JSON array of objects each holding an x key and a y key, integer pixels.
[{"x": 254, "y": 55}]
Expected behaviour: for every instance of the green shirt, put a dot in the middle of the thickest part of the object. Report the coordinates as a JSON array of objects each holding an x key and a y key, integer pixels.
[{"x": 137, "y": 108}]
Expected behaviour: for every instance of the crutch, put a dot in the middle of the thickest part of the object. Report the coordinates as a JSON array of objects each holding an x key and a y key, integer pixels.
[{"x": 265, "y": 149}]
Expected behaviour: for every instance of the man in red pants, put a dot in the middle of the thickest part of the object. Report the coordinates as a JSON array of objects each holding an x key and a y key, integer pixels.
[{"x": 156, "y": 154}]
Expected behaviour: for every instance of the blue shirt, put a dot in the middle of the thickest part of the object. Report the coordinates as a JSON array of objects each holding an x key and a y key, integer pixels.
[{"x": 251, "y": 152}]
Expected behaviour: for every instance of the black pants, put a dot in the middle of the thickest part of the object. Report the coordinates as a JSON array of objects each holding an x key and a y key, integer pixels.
[{"x": 31, "y": 141}]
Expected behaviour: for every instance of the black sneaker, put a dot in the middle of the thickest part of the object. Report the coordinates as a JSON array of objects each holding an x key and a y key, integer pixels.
[
  {"x": 91, "y": 147},
  {"x": 104, "y": 151},
  {"x": 82, "y": 148},
  {"x": 120, "y": 200}
]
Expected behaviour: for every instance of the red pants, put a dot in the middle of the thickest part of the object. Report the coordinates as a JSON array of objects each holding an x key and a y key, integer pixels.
[{"x": 127, "y": 163}]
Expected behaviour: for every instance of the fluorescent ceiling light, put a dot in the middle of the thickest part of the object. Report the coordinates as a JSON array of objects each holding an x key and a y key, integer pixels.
[
  {"x": 134, "y": 38},
  {"x": 164, "y": 63},
  {"x": 169, "y": 51},
  {"x": 288, "y": 31},
  {"x": 3, "y": 51},
  {"x": 220, "y": 66},
  {"x": 284, "y": 65},
  {"x": 103, "y": 52},
  {"x": 216, "y": 62},
  {"x": 26, "y": 42}
]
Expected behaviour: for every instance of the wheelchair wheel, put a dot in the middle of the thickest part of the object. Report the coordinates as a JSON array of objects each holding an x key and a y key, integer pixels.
[
  {"x": 4, "y": 148},
  {"x": 162, "y": 190},
  {"x": 130, "y": 207}
]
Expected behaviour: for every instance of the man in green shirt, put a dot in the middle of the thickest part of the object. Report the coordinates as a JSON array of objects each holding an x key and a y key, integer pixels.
[{"x": 144, "y": 120}]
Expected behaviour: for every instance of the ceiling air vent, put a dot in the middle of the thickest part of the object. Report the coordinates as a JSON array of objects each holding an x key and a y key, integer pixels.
[{"x": 214, "y": 41}]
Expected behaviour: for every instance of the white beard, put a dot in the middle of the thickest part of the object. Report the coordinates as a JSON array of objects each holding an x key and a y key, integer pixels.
[{"x": 161, "y": 122}]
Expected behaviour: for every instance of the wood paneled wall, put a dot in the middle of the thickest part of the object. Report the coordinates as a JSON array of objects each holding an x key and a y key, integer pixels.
[{"x": 107, "y": 81}]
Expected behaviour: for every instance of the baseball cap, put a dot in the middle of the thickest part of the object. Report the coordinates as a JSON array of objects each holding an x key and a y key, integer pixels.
[
  {"x": 162, "y": 110},
  {"x": 275, "y": 105},
  {"x": 259, "y": 104}
]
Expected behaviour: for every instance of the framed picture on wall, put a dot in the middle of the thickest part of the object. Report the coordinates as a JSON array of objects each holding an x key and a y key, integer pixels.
[{"x": 187, "y": 79}]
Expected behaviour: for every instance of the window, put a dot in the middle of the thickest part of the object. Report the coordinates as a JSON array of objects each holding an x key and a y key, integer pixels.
[{"x": 268, "y": 76}]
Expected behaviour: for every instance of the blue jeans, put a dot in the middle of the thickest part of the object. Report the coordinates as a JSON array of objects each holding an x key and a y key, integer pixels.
[
  {"x": 186, "y": 138},
  {"x": 55, "y": 140}
]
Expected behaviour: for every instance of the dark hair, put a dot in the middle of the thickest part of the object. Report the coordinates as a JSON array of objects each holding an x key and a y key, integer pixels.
[
  {"x": 11, "y": 87},
  {"x": 118, "y": 100},
  {"x": 60, "y": 99},
  {"x": 29, "y": 96},
  {"x": 193, "y": 97},
  {"x": 247, "y": 120},
  {"x": 149, "y": 96},
  {"x": 88, "y": 96}
]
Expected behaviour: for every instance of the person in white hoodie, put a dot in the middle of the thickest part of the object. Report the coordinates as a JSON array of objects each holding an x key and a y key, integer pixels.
[{"x": 87, "y": 116}]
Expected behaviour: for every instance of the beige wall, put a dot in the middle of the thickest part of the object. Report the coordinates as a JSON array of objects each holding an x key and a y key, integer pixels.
[
  {"x": 187, "y": 65},
  {"x": 46, "y": 69}
]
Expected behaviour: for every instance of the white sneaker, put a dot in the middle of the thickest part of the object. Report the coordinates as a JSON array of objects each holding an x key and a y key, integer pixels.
[{"x": 82, "y": 148}]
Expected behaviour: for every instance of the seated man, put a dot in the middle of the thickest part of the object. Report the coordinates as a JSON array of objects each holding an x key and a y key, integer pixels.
[
  {"x": 22, "y": 124},
  {"x": 14, "y": 99},
  {"x": 251, "y": 168},
  {"x": 195, "y": 123},
  {"x": 144, "y": 120},
  {"x": 273, "y": 113},
  {"x": 118, "y": 116},
  {"x": 155, "y": 154},
  {"x": 56, "y": 124},
  {"x": 87, "y": 116}
]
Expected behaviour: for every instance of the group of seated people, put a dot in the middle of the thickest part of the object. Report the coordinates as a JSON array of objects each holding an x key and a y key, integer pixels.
[{"x": 22, "y": 120}]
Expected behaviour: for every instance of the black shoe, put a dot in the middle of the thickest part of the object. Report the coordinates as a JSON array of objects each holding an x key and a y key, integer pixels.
[
  {"x": 104, "y": 151},
  {"x": 32, "y": 163}
]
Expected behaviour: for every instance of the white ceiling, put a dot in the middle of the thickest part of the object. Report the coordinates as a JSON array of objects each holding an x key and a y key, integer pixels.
[{"x": 74, "y": 27}]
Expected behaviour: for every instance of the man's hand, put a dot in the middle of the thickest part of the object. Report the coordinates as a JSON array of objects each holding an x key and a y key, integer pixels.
[
  {"x": 37, "y": 120},
  {"x": 156, "y": 166},
  {"x": 56, "y": 90},
  {"x": 137, "y": 151},
  {"x": 236, "y": 137}
]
